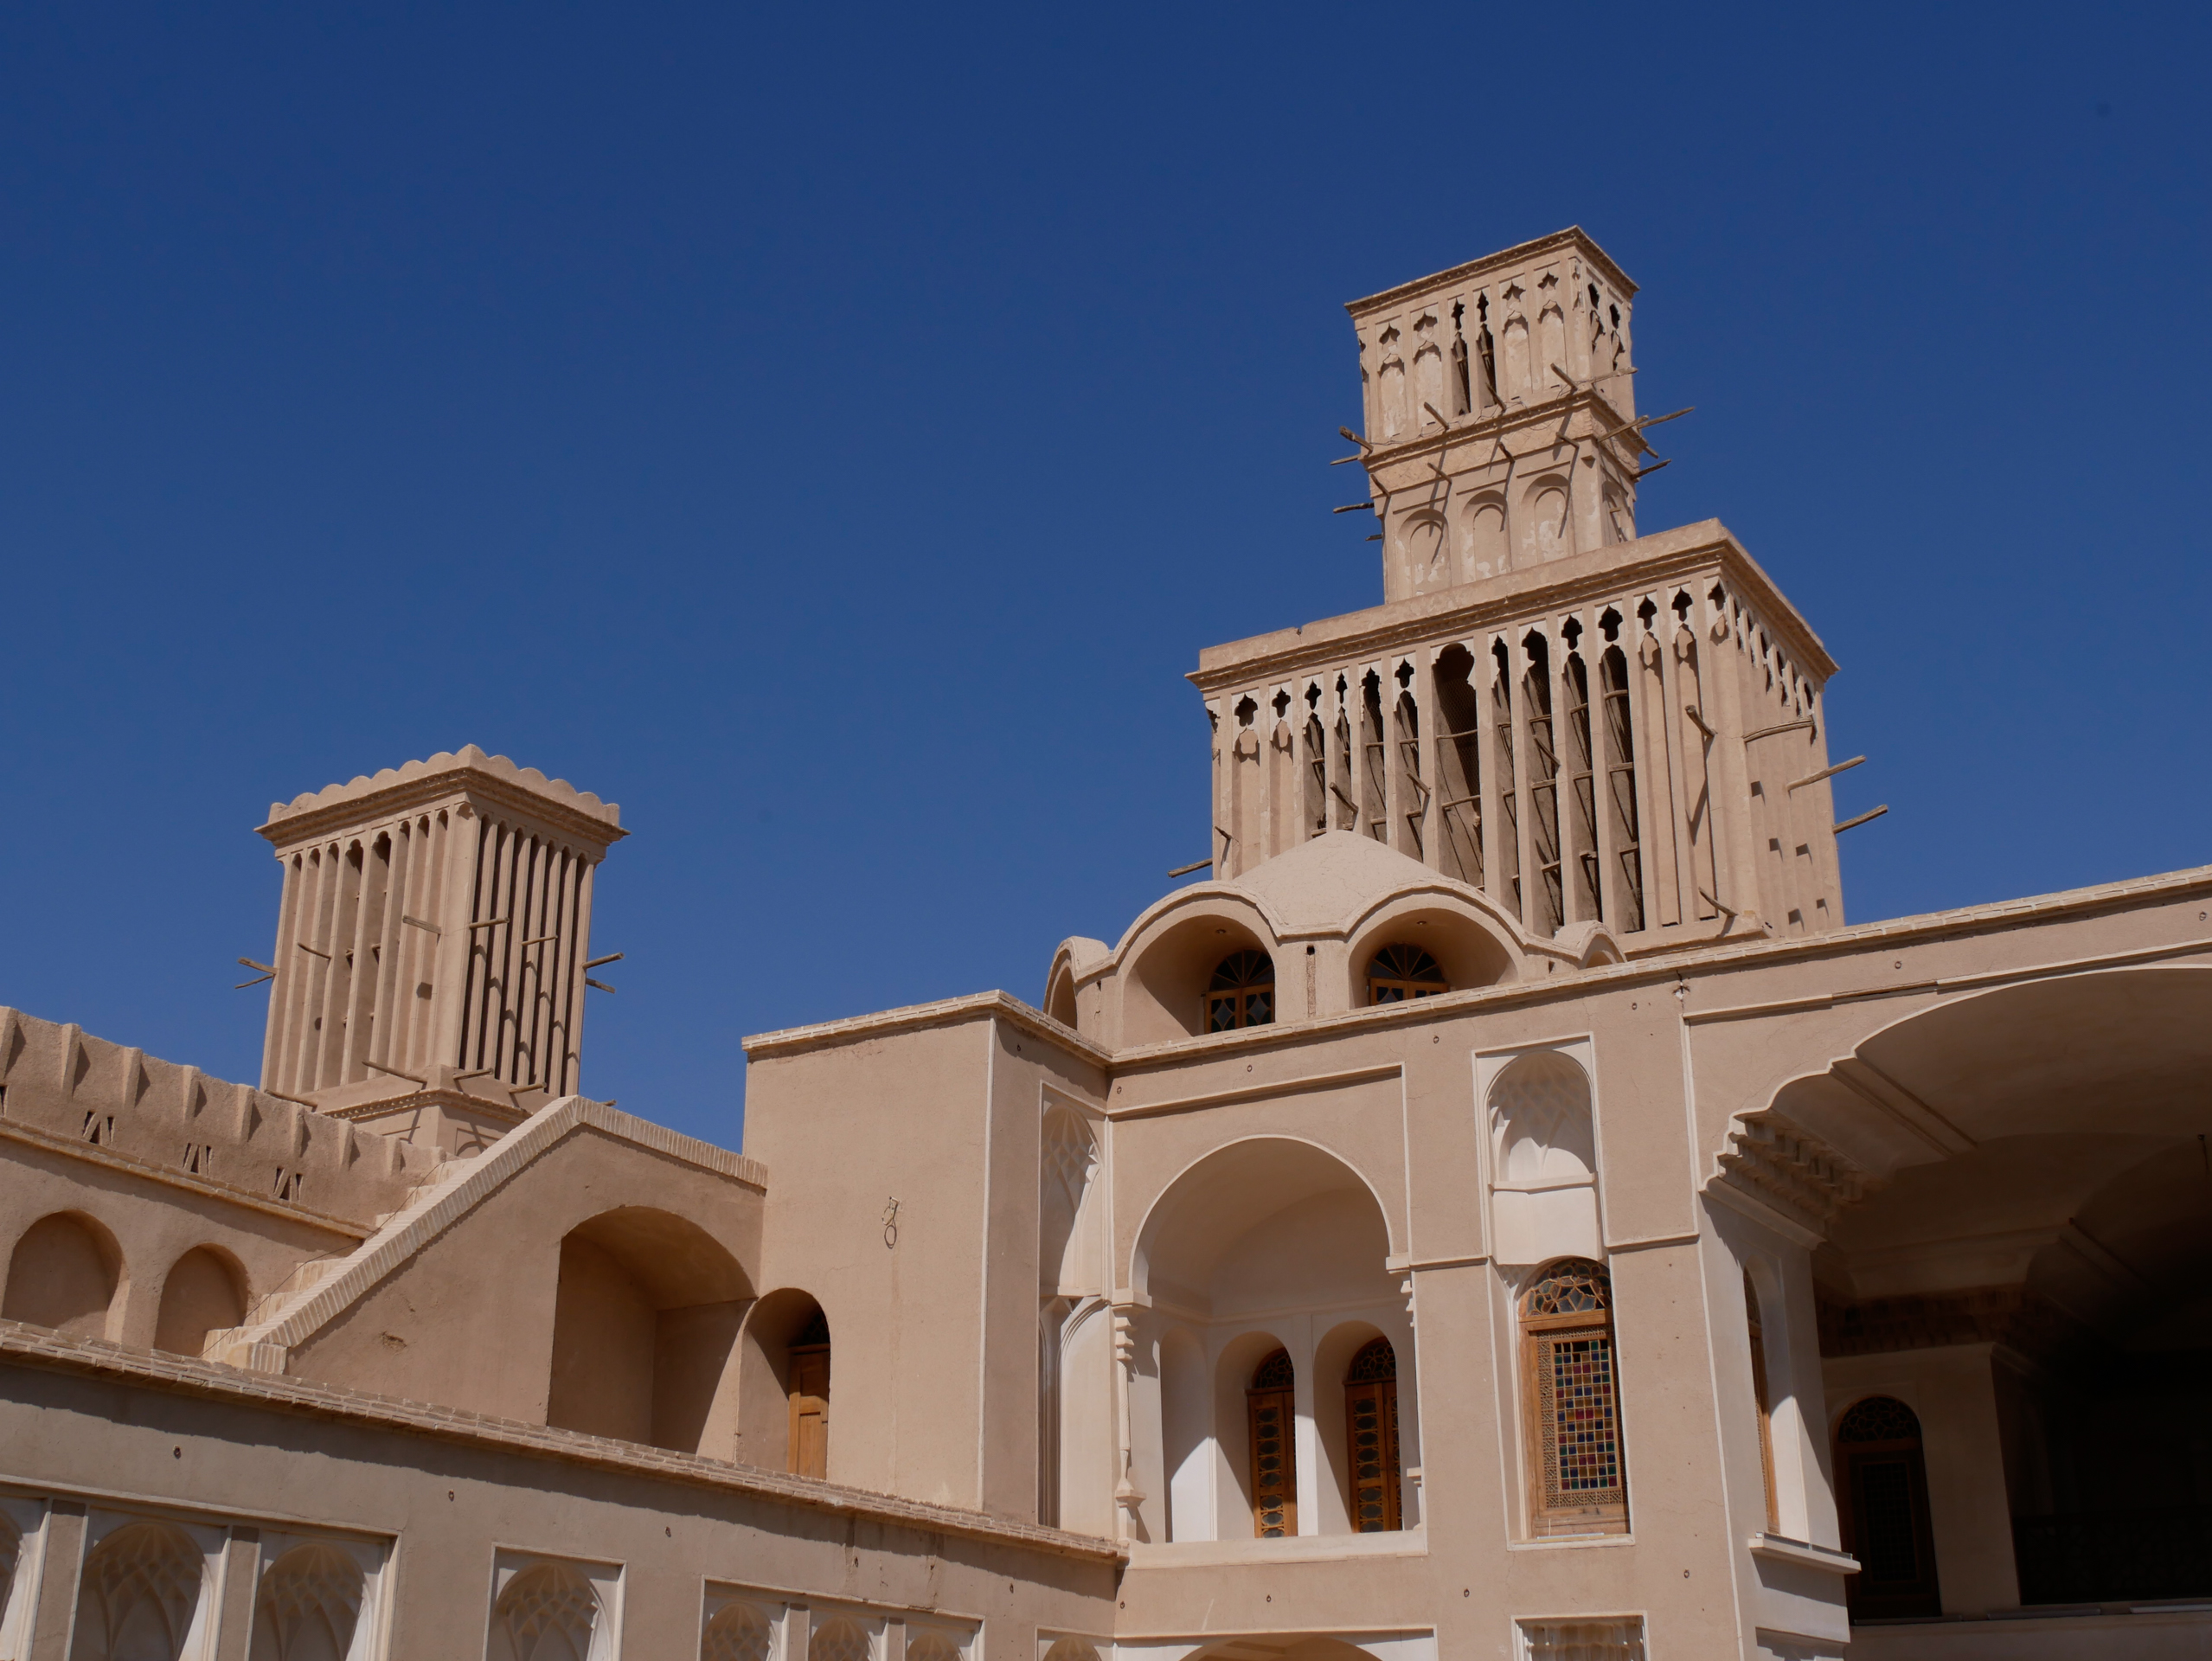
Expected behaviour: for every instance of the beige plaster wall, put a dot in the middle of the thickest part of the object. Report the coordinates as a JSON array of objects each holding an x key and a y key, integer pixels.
[{"x": 452, "y": 1504}]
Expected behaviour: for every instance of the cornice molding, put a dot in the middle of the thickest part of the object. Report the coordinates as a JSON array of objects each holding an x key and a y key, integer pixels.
[
  {"x": 465, "y": 773},
  {"x": 1573, "y": 238},
  {"x": 1472, "y": 608}
]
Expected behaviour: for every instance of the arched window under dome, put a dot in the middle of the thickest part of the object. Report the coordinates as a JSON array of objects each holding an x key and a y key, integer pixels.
[
  {"x": 1242, "y": 993},
  {"x": 1398, "y": 973}
]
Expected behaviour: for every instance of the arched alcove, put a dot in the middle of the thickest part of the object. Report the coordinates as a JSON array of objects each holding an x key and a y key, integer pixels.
[
  {"x": 204, "y": 1289},
  {"x": 64, "y": 1273},
  {"x": 1164, "y": 981},
  {"x": 783, "y": 1387},
  {"x": 1263, "y": 1245},
  {"x": 1467, "y": 949},
  {"x": 645, "y": 1321},
  {"x": 1487, "y": 553}
]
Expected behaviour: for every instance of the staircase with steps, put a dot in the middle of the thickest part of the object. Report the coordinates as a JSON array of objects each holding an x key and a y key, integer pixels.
[{"x": 247, "y": 1344}]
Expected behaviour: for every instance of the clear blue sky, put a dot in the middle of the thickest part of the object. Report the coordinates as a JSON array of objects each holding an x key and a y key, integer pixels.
[{"x": 833, "y": 435}]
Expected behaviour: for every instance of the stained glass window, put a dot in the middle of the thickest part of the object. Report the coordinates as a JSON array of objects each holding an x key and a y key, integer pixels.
[{"x": 1579, "y": 1483}]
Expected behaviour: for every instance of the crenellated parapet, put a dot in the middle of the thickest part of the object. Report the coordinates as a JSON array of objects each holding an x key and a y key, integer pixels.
[{"x": 66, "y": 1091}]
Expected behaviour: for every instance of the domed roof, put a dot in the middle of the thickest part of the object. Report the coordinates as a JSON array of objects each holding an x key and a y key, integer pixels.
[{"x": 1329, "y": 877}]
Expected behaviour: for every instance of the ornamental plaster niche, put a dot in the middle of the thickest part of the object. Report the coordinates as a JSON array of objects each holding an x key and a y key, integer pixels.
[{"x": 1543, "y": 1162}]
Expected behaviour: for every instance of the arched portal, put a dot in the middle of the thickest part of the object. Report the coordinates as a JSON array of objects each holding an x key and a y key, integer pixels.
[
  {"x": 2014, "y": 1241},
  {"x": 645, "y": 1320},
  {"x": 1266, "y": 1246}
]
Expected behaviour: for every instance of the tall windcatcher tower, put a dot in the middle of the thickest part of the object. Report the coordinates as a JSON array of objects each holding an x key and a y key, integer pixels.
[
  {"x": 432, "y": 945},
  {"x": 1595, "y": 728}
]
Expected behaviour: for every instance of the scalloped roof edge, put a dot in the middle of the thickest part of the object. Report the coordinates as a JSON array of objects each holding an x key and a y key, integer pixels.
[{"x": 466, "y": 759}]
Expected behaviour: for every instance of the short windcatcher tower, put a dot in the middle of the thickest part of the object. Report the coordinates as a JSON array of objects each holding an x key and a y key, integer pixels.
[{"x": 431, "y": 943}]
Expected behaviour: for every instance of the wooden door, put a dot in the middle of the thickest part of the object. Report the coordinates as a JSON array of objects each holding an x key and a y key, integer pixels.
[
  {"x": 1371, "y": 1436},
  {"x": 1274, "y": 1464},
  {"x": 809, "y": 1410},
  {"x": 1886, "y": 1526}
]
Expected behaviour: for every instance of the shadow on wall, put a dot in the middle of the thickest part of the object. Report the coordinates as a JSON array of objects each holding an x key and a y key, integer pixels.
[
  {"x": 204, "y": 1289},
  {"x": 784, "y": 1385},
  {"x": 1165, "y": 996},
  {"x": 66, "y": 1272},
  {"x": 644, "y": 1324}
]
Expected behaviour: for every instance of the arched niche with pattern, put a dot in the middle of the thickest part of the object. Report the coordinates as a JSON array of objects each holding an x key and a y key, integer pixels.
[
  {"x": 1074, "y": 1409},
  {"x": 1071, "y": 1649},
  {"x": 65, "y": 1273},
  {"x": 1577, "y": 1458},
  {"x": 137, "y": 1597},
  {"x": 839, "y": 1638},
  {"x": 307, "y": 1606},
  {"x": 737, "y": 1632},
  {"x": 204, "y": 1291},
  {"x": 547, "y": 1612},
  {"x": 1543, "y": 1161},
  {"x": 1068, "y": 1159},
  {"x": 925, "y": 1645}
]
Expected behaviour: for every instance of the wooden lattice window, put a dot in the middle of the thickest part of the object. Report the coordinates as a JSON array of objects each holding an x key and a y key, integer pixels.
[
  {"x": 1398, "y": 973},
  {"x": 1269, "y": 1406},
  {"x": 1578, "y": 1475},
  {"x": 1882, "y": 1492},
  {"x": 1371, "y": 1437},
  {"x": 1242, "y": 993},
  {"x": 1761, "y": 1400},
  {"x": 808, "y": 1387}
]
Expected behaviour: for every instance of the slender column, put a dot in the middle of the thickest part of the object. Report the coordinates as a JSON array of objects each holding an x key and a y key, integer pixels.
[
  {"x": 240, "y": 1578},
  {"x": 1524, "y": 803},
  {"x": 1430, "y": 747},
  {"x": 449, "y": 985},
  {"x": 1128, "y": 1499},
  {"x": 1612, "y": 905},
  {"x": 61, "y": 1565}
]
